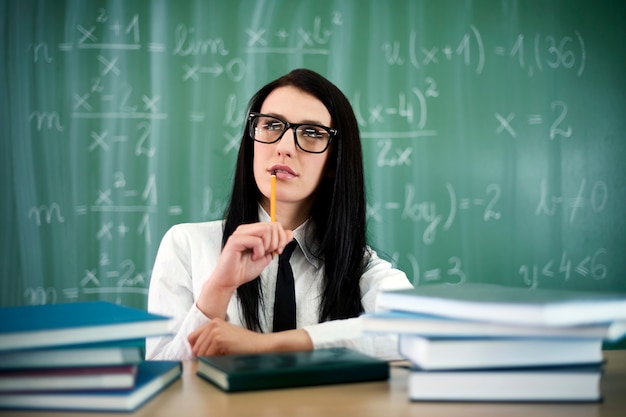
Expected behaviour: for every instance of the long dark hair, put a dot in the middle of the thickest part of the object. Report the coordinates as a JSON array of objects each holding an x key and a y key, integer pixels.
[{"x": 338, "y": 211}]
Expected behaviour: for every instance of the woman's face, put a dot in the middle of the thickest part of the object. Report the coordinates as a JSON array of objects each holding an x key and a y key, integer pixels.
[{"x": 298, "y": 173}]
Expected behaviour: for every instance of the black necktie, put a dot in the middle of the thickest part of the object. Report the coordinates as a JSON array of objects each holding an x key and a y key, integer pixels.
[{"x": 285, "y": 297}]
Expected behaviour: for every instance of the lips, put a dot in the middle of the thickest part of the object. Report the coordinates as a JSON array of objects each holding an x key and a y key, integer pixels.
[{"x": 282, "y": 171}]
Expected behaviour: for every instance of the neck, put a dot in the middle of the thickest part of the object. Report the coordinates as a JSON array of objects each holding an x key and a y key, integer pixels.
[
  {"x": 291, "y": 220},
  {"x": 290, "y": 215}
]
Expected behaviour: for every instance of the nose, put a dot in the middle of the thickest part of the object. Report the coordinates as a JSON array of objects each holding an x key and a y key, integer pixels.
[{"x": 287, "y": 144}]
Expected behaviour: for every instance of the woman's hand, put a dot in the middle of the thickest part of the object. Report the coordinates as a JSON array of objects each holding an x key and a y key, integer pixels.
[
  {"x": 219, "y": 337},
  {"x": 246, "y": 253}
]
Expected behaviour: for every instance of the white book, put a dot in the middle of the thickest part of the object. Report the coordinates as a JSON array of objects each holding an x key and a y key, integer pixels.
[
  {"x": 400, "y": 322},
  {"x": 481, "y": 353},
  {"x": 499, "y": 304},
  {"x": 573, "y": 384}
]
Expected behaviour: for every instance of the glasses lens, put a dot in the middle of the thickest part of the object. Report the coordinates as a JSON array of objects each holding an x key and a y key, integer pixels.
[
  {"x": 267, "y": 129},
  {"x": 312, "y": 138}
]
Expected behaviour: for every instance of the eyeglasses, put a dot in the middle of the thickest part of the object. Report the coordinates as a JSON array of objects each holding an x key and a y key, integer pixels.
[{"x": 309, "y": 137}]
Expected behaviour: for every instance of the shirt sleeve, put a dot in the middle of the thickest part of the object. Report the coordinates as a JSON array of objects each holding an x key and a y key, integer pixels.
[
  {"x": 379, "y": 275},
  {"x": 171, "y": 294}
]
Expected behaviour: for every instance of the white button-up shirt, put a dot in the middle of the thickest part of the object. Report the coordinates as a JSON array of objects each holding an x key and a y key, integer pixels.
[{"x": 187, "y": 256}]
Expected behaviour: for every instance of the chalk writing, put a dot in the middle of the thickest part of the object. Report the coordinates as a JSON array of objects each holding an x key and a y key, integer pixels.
[
  {"x": 453, "y": 273},
  {"x": 50, "y": 213},
  {"x": 558, "y": 127},
  {"x": 40, "y": 47},
  {"x": 596, "y": 200},
  {"x": 185, "y": 45},
  {"x": 428, "y": 212},
  {"x": 567, "y": 52},
  {"x": 588, "y": 266},
  {"x": 411, "y": 109},
  {"x": 393, "y": 156},
  {"x": 468, "y": 48},
  {"x": 127, "y": 34},
  {"x": 105, "y": 203},
  {"x": 547, "y": 52},
  {"x": 52, "y": 120},
  {"x": 121, "y": 103},
  {"x": 312, "y": 40},
  {"x": 125, "y": 279},
  {"x": 40, "y": 295},
  {"x": 234, "y": 69}
]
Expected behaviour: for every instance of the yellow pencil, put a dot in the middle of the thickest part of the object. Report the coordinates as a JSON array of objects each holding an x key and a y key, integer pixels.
[
  {"x": 273, "y": 201},
  {"x": 273, "y": 198}
]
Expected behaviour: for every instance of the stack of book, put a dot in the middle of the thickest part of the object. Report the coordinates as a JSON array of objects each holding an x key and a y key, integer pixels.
[
  {"x": 80, "y": 356},
  {"x": 482, "y": 342}
]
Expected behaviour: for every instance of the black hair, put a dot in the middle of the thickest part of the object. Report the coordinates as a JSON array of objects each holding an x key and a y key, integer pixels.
[{"x": 338, "y": 211}]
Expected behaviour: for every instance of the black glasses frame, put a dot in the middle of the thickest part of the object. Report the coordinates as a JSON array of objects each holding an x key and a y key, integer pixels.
[{"x": 252, "y": 116}]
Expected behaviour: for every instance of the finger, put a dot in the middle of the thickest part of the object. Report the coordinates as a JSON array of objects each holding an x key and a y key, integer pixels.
[
  {"x": 193, "y": 336},
  {"x": 275, "y": 237},
  {"x": 272, "y": 238},
  {"x": 204, "y": 348},
  {"x": 213, "y": 344},
  {"x": 202, "y": 343},
  {"x": 257, "y": 229},
  {"x": 286, "y": 236},
  {"x": 280, "y": 238},
  {"x": 242, "y": 243}
]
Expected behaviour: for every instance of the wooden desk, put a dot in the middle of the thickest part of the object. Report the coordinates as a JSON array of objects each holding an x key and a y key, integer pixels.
[{"x": 192, "y": 396}]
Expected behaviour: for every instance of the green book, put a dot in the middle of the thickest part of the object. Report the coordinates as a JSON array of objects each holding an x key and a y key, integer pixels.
[{"x": 290, "y": 369}]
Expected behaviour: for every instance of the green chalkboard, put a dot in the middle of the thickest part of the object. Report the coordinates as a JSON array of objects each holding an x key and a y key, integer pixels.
[{"x": 493, "y": 133}]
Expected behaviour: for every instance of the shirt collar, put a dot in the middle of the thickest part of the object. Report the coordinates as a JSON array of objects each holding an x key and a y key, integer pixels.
[{"x": 304, "y": 235}]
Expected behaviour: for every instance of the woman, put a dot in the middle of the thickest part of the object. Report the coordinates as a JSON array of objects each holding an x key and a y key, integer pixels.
[{"x": 217, "y": 279}]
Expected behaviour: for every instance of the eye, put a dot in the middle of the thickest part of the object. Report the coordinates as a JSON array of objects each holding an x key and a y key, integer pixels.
[
  {"x": 312, "y": 132},
  {"x": 270, "y": 124},
  {"x": 273, "y": 125}
]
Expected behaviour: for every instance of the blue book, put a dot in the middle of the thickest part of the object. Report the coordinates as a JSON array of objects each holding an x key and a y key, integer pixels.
[
  {"x": 152, "y": 378},
  {"x": 28, "y": 327}
]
